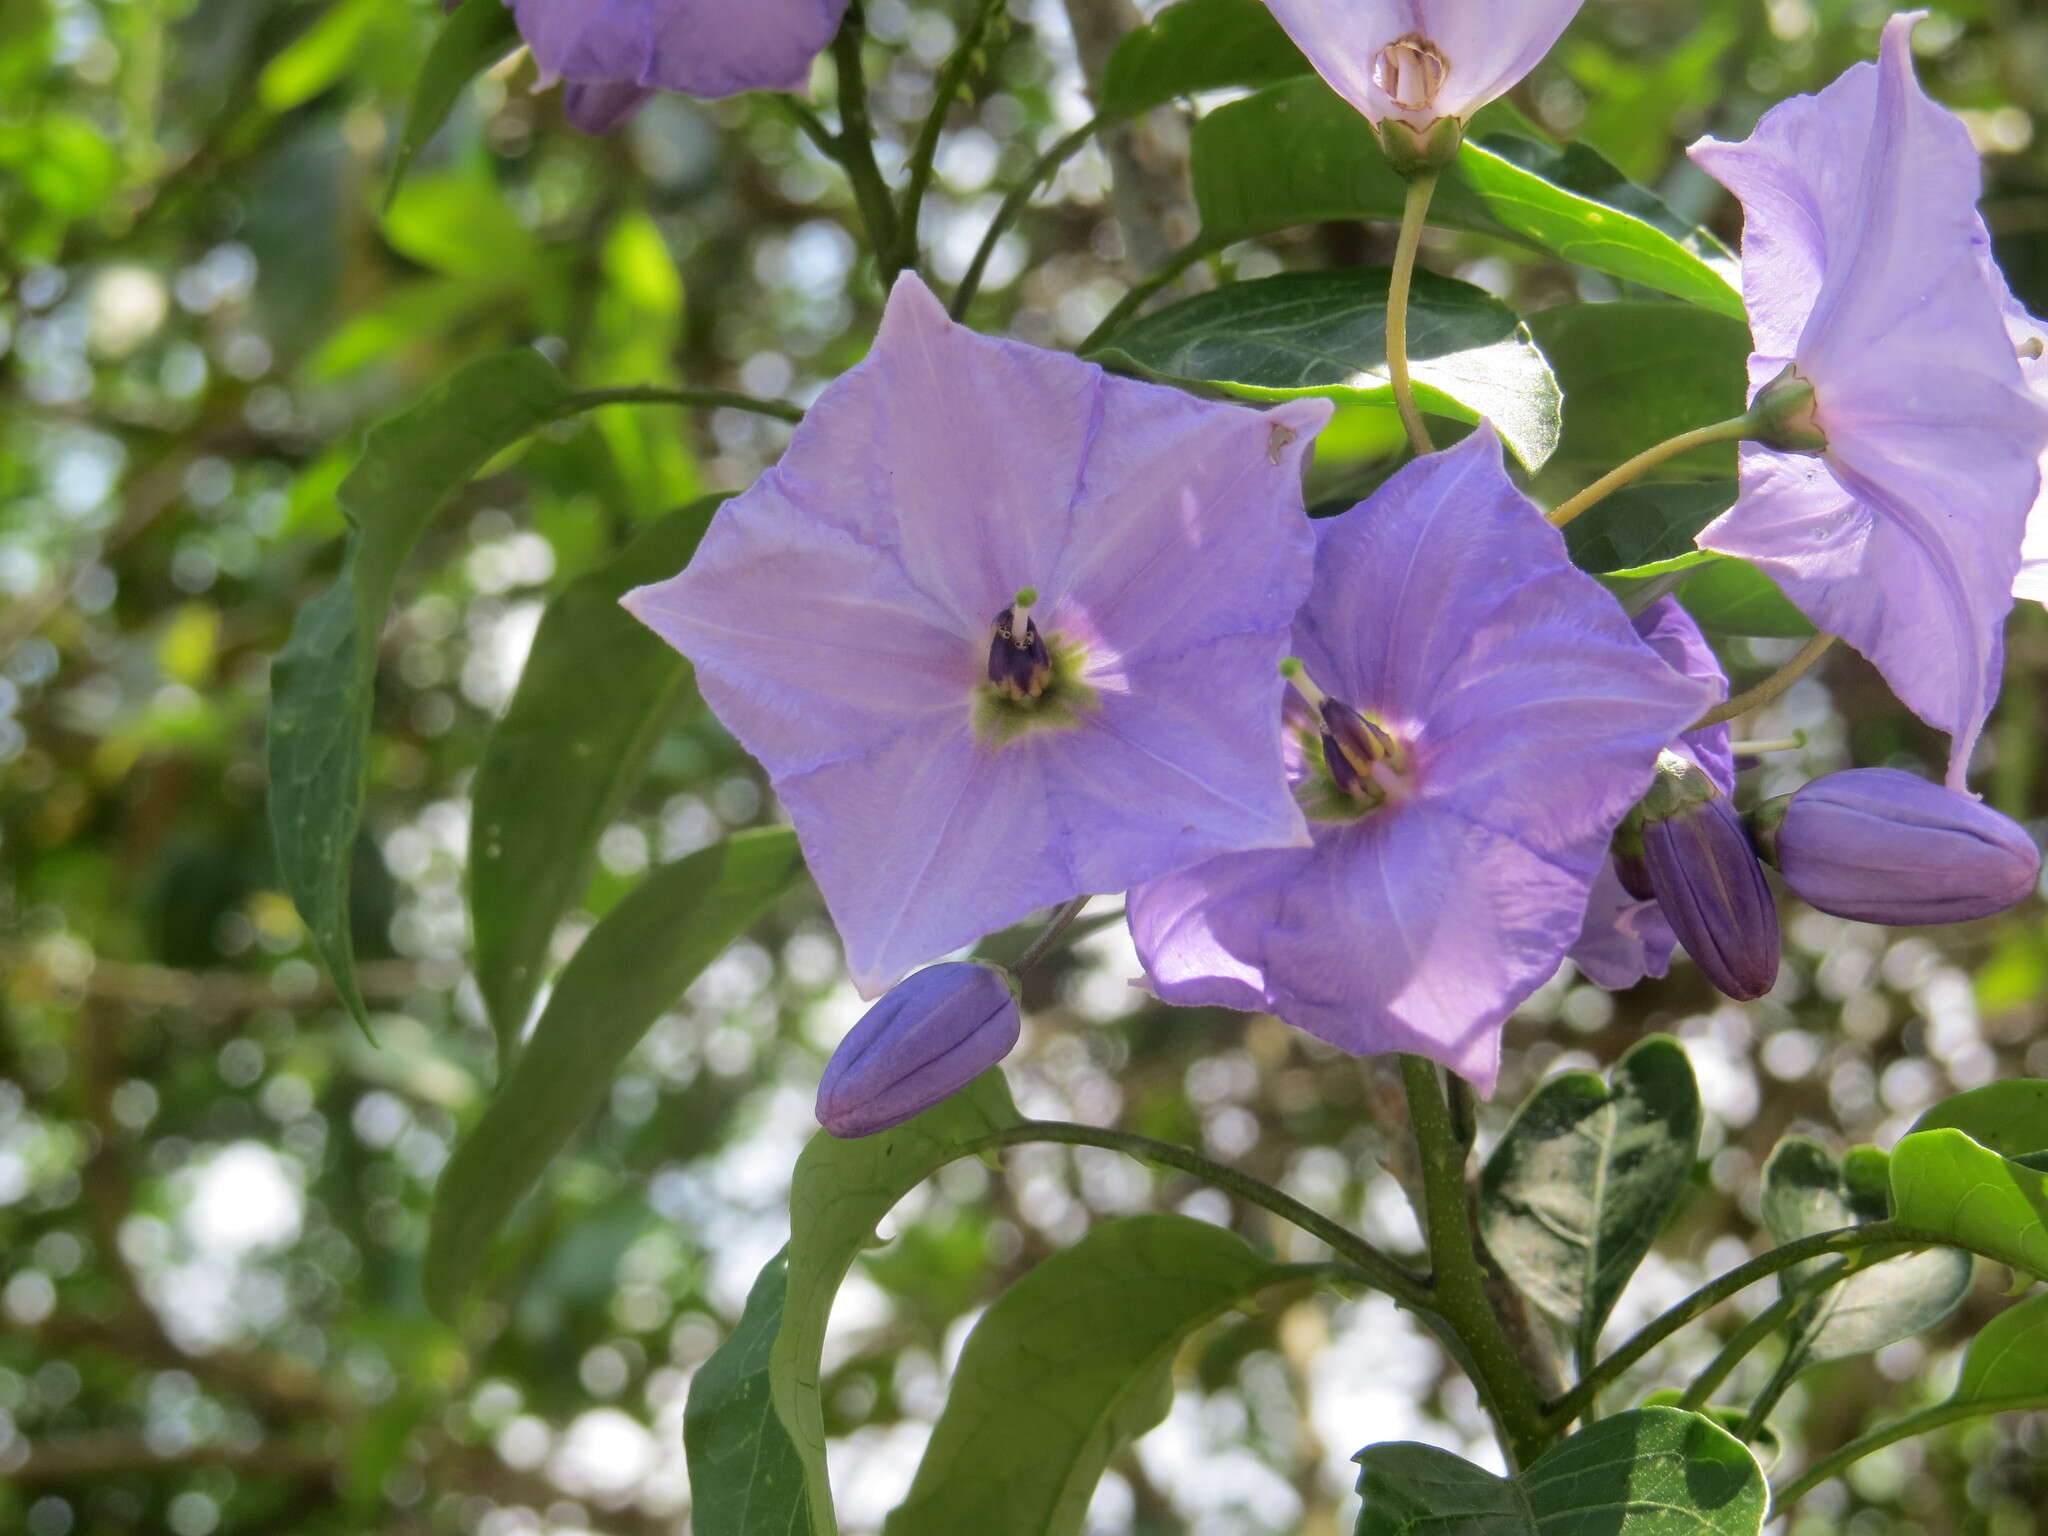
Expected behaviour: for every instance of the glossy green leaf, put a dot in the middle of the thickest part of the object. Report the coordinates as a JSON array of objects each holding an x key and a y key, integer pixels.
[
  {"x": 1733, "y": 597},
  {"x": 840, "y": 1191},
  {"x": 2010, "y": 1118},
  {"x": 1579, "y": 1187},
  {"x": 479, "y": 34},
  {"x": 1946, "y": 1184},
  {"x": 1643, "y": 531},
  {"x": 322, "y": 682},
  {"x": 1197, "y": 45},
  {"x": 1806, "y": 1192},
  {"x": 2009, "y": 1356},
  {"x": 1325, "y": 333},
  {"x": 596, "y": 693},
  {"x": 1651, "y": 1472},
  {"x": 631, "y": 967},
  {"x": 1296, "y": 153},
  {"x": 746, "y": 1478},
  {"x": 1578, "y": 167},
  {"x": 1071, "y": 1364},
  {"x": 1633, "y": 375}
]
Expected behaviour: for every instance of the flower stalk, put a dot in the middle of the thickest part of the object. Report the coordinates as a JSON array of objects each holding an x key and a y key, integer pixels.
[
  {"x": 1731, "y": 430},
  {"x": 1414, "y": 218},
  {"x": 1769, "y": 689}
]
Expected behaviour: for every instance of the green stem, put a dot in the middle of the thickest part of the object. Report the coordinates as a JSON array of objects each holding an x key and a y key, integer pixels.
[
  {"x": 853, "y": 146},
  {"x": 1146, "y": 286},
  {"x": 1014, "y": 203},
  {"x": 1719, "y": 1289},
  {"x": 1457, "y": 1283},
  {"x": 1752, "y": 1333},
  {"x": 1728, "y": 431},
  {"x": 1414, "y": 216},
  {"x": 1940, "y": 1415},
  {"x": 1768, "y": 690},
  {"x": 952, "y": 75},
  {"x": 1054, "y": 927},
  {"x": 704, "y": 399},
  {"x": 1766, "y": 1402},
  {"x": 1376, "y": 1268}
]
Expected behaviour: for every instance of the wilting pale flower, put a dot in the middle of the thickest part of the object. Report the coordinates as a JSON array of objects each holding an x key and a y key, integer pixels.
[
  {"x": 1882, "y": 846},
  {"x": 1707, "y": 880},
  {"x": 698, "y": 47},
  {"x": 1004, "y": 630},
  {"x": 929, "y": 1037},
  {"x": 1477, "y": 716},
  {"x": 1897, "y": 526},
  {"x": 1626, "y": 936},
  {"x": 1417, "y": 63}
]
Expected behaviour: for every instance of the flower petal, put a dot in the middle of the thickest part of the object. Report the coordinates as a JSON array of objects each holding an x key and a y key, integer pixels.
[{"x": 699, "y": 47}]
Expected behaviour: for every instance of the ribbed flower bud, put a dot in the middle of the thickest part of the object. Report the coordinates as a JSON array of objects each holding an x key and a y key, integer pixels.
[
  {"x": 1708, "y": 880},
  {"x": 1882, "y": 846},
  {"x": 928, "y": 1037}
]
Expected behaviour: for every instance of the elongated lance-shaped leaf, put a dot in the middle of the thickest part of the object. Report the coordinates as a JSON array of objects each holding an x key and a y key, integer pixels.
[
  {"x": 841, "y": 1190},
  {"x": 597, "y": 691},
  {"x": 1806, "y": 1192},
  {"x": 1582, "y": 1182},
  {"x": 480, "y": 33},
  {"x": 1325, "y": 333},
  {"x": 746, "y": 1478},
  {"x": 322, "y": 682},
  {"x": 631, "y": 967},
  {"x": 1946, "y": 1184},
  {"x": 1652, "y": 1472},
  {"x": 1295, "y": 153},
  {"x": 1071, "y": 1364},
  {"x": 1197, "y": 45}
]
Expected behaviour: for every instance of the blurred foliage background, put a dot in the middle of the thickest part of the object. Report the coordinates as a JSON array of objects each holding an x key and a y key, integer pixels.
[{"x": 212, "y": 1186}]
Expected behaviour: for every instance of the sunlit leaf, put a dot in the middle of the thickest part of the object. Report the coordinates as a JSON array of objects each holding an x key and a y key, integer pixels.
[
  {"x": 1197, "y": 45},
  {"x": 2010, "y": 1118},
  {"x": 1946, "y": 1184}
]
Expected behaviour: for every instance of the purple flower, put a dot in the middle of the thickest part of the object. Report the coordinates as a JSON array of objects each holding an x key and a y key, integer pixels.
[
  {"x": 1708, "y": 881},
  {"x": 699, "y": 47},
  {"x": 1625, "y": 936},
  {"x": 2029, "y": 337},
  {"x": 1418, "y": 62},
  {"x": 932, "y": 1035},
  {"x": 1862, "y": 278},
  {"x": 1512, "y": 717},
  {"x": 1882, "y": 846},
  {"x": 599, "y": 107},
  {"x": 952, "y": 492}
]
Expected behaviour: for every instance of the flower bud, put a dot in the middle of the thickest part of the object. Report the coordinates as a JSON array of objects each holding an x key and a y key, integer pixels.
[
  {"x": 929, "y": 1036},
  {"x": 1708, "y": 880},
  {"x": 1784, "y": 415},
  {"x": 1882, "y": 846}
]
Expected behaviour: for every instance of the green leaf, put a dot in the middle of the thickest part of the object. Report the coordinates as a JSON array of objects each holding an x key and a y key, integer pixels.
[
  {"x": 2009, "y": 1356},
  {"x": 632, "y": 966},
  {"x": 469, "y": 42},
  {"x": 2010, "y": 1118},
  {"x": 840, "y": 1190},
  {"x": 1578, "y": 167},
  {"x": 323, "y": 680},
  {"x": 1071, "y": 1364},
  {"x": 1733, "y": 597},
  {"x": 1296, "y": 153},
  {"x": 1945, "y": 1183},
  {"x": 597, "y": 691},
  {"x": 1325, "y": 333},
  {"x": 1806, "y": 1192},
  {"x": 1644, "y": 531},
  {"x": 746, "y": 1478},
  {"x": 1651, "y": 1472},
  {"x": 1579, "y": 1187},
  {"x": 1635, "y": 374},
  {"x": 1198, "y": 45}
]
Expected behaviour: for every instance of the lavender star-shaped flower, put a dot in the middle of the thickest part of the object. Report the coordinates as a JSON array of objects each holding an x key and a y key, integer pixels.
[
  {"x": 698, "y": 47},
  {"x": 2029, "y": 338},
  {"x": 1477, "y": 716},
  {"x": 1004, "y": 630},
  {"x": 1626, "y": 937},
  {"x": 1900, "y": 529},
  {"x": 1417, "y": 62}
]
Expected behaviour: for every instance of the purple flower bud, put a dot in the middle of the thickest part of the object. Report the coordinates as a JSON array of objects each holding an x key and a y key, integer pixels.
[
  {"x": 929, "y": 1036},
  {"x": 1709, "y": 881},
  {"x": 1882, "y": 846}
]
